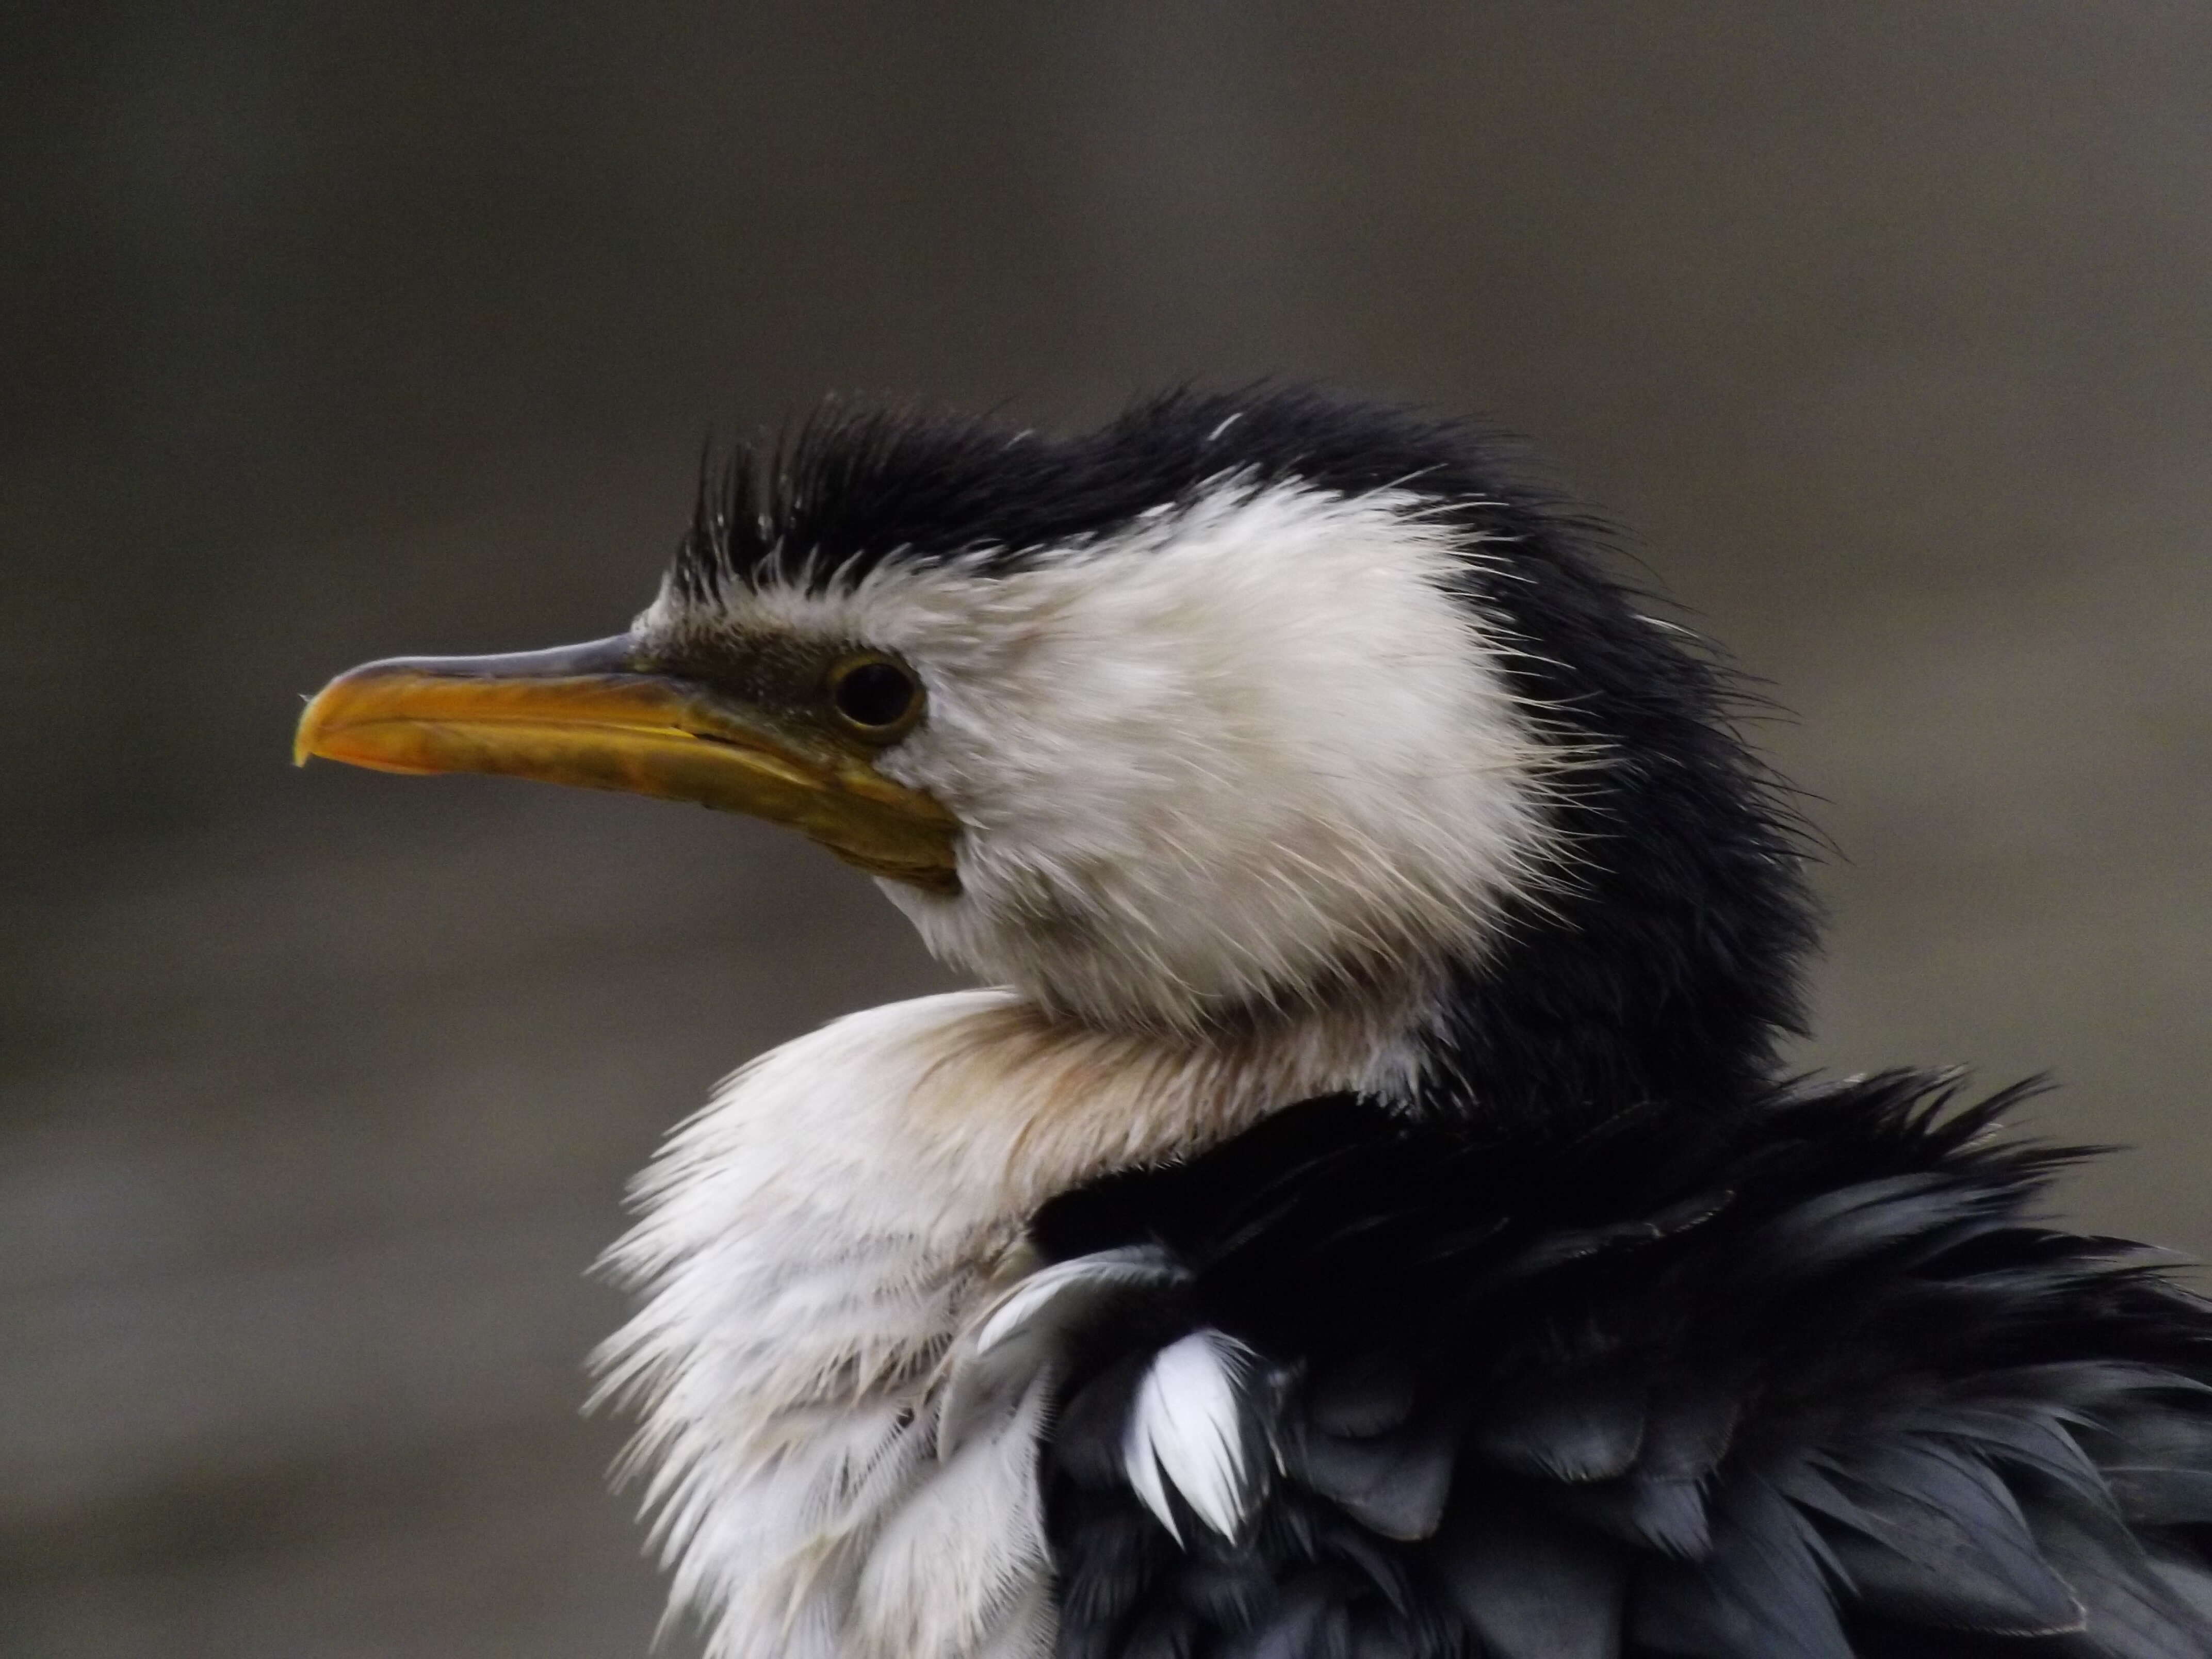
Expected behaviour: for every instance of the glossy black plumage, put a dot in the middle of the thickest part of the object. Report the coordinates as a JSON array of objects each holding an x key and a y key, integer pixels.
[{"x": 1794, "y": 1377}]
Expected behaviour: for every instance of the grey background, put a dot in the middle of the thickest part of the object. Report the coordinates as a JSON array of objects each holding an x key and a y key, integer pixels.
[{"x": 332, "y": 333}]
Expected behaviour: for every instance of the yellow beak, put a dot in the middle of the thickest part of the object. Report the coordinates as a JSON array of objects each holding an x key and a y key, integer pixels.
[{"x": 583, "y": 716}]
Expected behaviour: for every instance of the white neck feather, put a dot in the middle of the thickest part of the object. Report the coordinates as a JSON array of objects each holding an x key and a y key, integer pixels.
[{"x": 812, "y": 1245}]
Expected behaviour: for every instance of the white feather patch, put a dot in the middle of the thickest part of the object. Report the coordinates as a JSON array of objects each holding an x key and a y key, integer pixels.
[
  {"x": 1187, "y": 1429},
  {"x": 1229, "y": 754},
  {"x": 820, "y": 1253},
  {"x": 1017, "y": 1338}
]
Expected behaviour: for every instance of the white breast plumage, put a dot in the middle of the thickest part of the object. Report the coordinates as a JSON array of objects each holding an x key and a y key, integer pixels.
[{"x": 841, "y": 1359}]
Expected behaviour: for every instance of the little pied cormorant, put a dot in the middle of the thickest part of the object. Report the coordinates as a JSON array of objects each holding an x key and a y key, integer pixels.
[{"x": 1367, "y": 1216}]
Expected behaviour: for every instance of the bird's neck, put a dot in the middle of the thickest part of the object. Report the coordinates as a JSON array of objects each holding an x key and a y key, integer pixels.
[
  {"x": 814, "y": 1245},
  {"x": 978, "y": 1103}
]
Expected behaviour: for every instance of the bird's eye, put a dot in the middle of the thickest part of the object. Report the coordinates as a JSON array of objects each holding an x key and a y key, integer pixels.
[{"x": 879, "y": 698}]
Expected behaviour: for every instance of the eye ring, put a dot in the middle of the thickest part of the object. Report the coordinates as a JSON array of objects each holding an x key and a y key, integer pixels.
[{"x": 875, "y": 696}]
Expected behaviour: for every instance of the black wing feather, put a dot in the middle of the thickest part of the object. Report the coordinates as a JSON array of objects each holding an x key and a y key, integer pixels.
[
  {"x": 1573, "y": 1429},
  {"x": 1763, "y": 1592},
  {"x": 1394, "y": 1484},
  {"x": 1799, "y": 1379},
  {"x": 1532, "y": 1587},
  {"x": 1928, "y": 1537}
]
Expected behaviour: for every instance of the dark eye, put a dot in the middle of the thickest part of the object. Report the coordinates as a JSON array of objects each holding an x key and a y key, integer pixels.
[{"x": 879, "y": 696}]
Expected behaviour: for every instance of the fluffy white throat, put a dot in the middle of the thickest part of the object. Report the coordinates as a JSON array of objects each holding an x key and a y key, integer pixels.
[{"x": 838, "y": 1420}]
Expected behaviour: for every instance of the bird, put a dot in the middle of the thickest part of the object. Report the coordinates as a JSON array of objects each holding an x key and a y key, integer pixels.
[{"x": 1363, "y": 1208}]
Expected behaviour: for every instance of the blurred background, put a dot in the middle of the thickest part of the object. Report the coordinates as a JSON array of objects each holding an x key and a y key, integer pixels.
[{"x": 333, "y": 332}]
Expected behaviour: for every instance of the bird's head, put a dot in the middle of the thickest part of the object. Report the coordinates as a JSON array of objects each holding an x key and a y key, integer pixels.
[{"x": 1239, "y": 710}]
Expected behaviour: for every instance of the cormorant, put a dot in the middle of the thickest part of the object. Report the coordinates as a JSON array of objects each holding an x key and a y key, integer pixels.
[{"x": 1368, "y": 1216}]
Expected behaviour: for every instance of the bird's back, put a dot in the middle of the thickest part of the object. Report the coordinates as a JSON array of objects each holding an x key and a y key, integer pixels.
[{"x": 1798, "y": 1379}]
